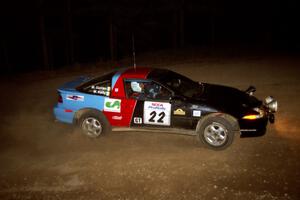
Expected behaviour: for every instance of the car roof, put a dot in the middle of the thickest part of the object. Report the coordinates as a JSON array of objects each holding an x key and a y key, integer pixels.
[
  {"x": 139, "y": 72},
  {"x": 142, "y": 73}
]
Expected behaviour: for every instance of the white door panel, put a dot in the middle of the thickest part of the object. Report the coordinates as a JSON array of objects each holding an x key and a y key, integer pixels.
[{"x": 157, "y": 113}]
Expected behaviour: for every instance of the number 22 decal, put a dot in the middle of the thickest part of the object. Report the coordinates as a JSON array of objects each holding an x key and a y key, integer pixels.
[
  {"x": 161, "y": 117},
  {"x": 157, "y": 113}
]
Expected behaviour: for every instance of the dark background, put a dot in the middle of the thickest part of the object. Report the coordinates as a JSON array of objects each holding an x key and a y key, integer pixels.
[{"x": 50, "y": 34}]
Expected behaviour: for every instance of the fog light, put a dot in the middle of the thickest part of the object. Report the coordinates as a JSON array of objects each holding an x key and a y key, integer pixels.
[
  {"x": 269, "y": 99},
  {"x": 271, "y": 103},
  {"x": 273, "y": 106}
]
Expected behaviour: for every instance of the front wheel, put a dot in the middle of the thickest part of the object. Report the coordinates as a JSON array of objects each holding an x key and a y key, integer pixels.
[{"x": 216, "y": 132}]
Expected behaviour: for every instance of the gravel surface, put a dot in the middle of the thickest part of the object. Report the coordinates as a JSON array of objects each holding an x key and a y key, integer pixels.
[{"x": 43, "y": 159}]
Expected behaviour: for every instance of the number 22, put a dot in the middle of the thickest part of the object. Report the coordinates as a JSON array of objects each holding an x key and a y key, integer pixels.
[{"x": 161, "y": 117}]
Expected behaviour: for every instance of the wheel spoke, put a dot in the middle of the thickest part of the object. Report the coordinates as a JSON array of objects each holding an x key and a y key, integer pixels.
[
  {"x": 213, "y": 128},
  {"x": 96, "y": 124},
  {"x": 211, "y": 139},
  {"x": 221, "y": 137}
]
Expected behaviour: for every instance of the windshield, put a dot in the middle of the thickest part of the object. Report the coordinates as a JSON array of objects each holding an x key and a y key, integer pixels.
[{"x": 180, "y": 84}]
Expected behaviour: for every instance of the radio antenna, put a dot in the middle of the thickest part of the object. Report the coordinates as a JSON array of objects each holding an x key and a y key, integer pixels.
[{"x": 133, "y": 52}]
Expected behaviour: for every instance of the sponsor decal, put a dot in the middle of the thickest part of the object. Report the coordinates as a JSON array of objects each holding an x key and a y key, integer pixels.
[
  {"x": 196, "y": 113},
  {"x": 75, "y": 98},
  {"x": 112, "y": 105},
  {"x": 117, "y": 117},
  {"x": 195, "y": 107},
  {"x": 179, "y": 111},
  {"x": 137, "y": 120},
  {"x": 101, "y": 90},
  {"x": 157, "y": 113},
  {"x": 156, "y": 105}
]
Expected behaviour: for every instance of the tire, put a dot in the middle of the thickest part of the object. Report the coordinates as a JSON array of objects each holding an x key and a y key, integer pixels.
[
  {"x": 93, "y": 124},
  {"x": 216, "y": 132}
]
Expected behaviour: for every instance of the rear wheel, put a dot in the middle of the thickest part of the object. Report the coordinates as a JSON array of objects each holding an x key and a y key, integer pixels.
[
  {"x": 216, "y": 132},
  {"x": 93, "y": 124}
]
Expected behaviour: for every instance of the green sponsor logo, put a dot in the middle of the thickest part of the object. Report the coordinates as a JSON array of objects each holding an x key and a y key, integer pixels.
[{"x": 114, "y": 104}]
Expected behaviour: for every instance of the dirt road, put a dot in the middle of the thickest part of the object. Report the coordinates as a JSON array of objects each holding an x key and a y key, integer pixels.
[{"x": 42, "y": 159}]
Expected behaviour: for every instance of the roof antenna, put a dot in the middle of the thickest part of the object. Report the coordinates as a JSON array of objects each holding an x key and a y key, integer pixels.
[{"x": 133, "y": 51}]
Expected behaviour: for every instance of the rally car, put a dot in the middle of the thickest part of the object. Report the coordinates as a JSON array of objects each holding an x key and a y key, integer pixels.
[{"x": 160, "y": 99}]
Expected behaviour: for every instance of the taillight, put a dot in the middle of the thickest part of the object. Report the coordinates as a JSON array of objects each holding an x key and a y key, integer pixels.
[{"x": 60, "y": 99}]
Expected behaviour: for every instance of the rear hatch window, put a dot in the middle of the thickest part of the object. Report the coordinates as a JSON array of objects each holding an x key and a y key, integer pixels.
[{"x": 98, "y": 86}]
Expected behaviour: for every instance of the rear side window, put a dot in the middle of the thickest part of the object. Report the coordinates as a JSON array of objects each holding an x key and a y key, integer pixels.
[{"x": 98, "y": 86}]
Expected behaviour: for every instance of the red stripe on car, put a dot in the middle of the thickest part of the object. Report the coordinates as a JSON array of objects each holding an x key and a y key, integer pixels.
[{"x": 118, "y": 92}]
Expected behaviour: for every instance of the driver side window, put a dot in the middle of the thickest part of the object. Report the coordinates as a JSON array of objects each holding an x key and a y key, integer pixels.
[{"x": 146, "y": 90}]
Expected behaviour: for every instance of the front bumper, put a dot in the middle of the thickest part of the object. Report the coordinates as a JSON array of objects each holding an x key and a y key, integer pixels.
[
  {"x": 258, "y": 127},
  {"x": 252, "y": 128}
]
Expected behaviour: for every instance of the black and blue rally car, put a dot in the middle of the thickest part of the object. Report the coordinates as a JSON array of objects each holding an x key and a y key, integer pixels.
[{"x": 160, "y": 99}]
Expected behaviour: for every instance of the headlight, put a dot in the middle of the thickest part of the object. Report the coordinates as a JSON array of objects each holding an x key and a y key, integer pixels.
[
  {"x": 271, "y": 103},
  {"x": 255, "y": 116}
]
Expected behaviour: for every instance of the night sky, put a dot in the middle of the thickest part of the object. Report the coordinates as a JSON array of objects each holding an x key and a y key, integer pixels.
[{"x": 49, "y": 34}]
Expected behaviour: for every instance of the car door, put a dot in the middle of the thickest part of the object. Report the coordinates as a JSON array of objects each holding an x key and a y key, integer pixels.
[
  {"x": 152, "y": 108},
  {"x": 181, "y": 114}
]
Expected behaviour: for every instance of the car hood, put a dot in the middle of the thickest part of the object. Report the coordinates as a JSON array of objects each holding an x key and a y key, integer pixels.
[{"x": 227, "y": 99}]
